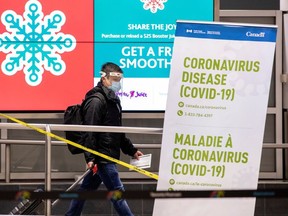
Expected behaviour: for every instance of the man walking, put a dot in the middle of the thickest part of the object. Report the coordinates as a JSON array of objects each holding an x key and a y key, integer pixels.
[{"x": 105, "y": 109}]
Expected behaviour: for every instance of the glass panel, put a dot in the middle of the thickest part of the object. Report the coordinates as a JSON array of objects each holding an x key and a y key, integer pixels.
[
  {"x": 64, "y": 161},
  {"x": 27, "y": 158},
  {"x": 272, "y": 98},
  {"x": 268, "y": 159}
]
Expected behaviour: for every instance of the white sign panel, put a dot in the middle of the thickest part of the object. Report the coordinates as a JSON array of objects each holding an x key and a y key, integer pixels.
[{"x": 215, "y": 116}]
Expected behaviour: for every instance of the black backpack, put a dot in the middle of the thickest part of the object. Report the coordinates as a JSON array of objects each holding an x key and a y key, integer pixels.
[{"x": 73, "y": 115}]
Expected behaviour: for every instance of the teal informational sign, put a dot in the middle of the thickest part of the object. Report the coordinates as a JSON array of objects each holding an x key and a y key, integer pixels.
[
  {"x": 146, "y": 21},
  {"x": 138, "y": 35},
  {"x": 138, "y": 60}
]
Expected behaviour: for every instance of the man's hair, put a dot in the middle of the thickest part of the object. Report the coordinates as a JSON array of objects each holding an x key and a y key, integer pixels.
[{"x": 111, "y": 67}]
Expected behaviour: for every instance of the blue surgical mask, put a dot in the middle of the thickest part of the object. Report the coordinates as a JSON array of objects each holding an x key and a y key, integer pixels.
[{"x": 116, "y": 86}]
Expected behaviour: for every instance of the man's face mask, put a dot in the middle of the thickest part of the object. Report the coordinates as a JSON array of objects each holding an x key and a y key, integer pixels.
[{"x": 116, "y": 86}]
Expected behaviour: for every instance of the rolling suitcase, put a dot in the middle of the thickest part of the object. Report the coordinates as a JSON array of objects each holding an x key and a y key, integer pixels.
[{"x": 36, "y": 207}]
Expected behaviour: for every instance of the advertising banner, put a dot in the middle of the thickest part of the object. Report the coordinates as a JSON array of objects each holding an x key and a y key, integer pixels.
[
  {"x": 215, "y": 115},
  {"x": 138, "y": 35},
  {"x": 46, "y": 53},
  {"x": 51, "y": 51}
]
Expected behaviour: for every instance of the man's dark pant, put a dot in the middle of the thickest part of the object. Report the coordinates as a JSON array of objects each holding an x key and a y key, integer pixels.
[{"x": 107, "y": 173}]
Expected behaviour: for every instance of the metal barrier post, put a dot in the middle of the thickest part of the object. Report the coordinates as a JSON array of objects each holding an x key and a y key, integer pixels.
[
  {"x": 6, "y": 160},
  {"x": 48, "y": 170}
]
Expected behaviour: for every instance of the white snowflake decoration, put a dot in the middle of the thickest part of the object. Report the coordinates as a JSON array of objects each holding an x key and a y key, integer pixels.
[
  {"x": 153, "y": 5},
  {"x": 34, "y": 42}
]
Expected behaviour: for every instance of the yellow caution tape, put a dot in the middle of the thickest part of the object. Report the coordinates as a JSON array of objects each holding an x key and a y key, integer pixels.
[{"x": 139, "y": 170}]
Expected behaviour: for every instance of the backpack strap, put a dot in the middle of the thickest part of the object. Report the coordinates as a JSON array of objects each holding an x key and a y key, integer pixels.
[{"x": 102, "y": 99}]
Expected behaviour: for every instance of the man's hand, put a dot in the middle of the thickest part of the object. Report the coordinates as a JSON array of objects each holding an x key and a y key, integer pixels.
[
  {"x": 137, "y": 154},
  {"x": 90, "y": 165}
]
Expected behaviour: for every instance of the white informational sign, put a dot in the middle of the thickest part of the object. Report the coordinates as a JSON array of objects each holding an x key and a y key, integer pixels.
[{"x": 215, "y": 115}]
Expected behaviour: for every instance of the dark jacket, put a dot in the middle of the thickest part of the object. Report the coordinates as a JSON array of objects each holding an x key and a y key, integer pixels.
[{"x": 96, "y": 112}]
